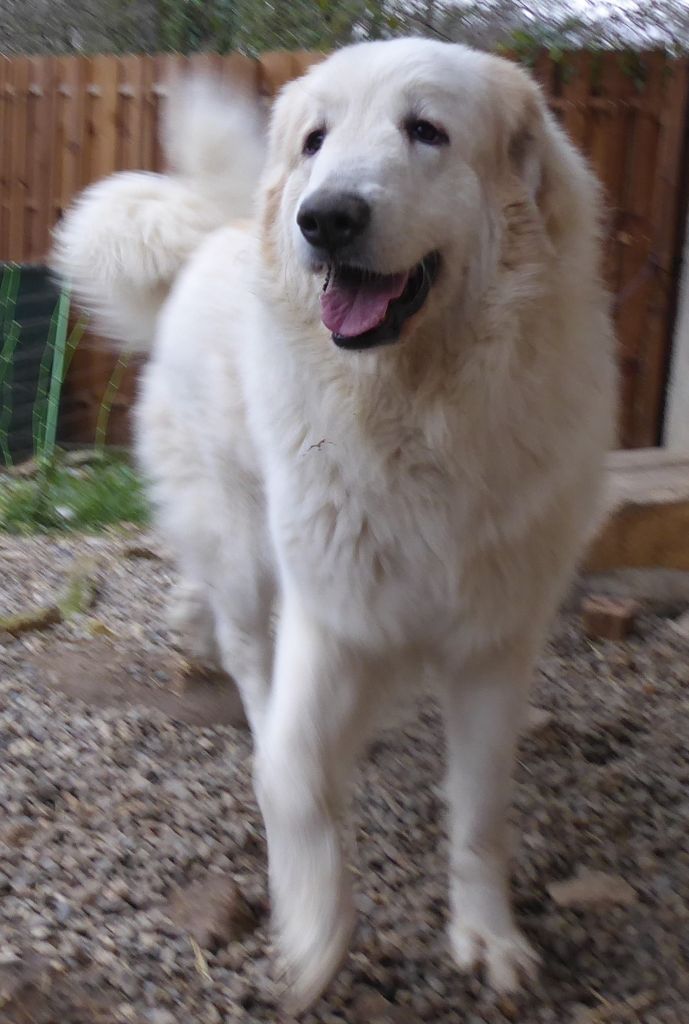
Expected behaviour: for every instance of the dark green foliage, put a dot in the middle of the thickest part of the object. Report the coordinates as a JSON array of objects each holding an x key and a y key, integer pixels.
[{"x": 253, "y": 26}]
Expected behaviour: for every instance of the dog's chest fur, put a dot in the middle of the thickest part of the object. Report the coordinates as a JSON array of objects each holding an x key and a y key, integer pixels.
[{"x": 380, "y": 495}]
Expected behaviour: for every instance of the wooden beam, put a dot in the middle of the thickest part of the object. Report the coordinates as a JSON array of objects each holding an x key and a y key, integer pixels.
[{"x": 647, "y": 523}]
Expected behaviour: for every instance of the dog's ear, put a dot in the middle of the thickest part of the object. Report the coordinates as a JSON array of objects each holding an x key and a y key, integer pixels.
[
  {"x": 521, "y": 115},
  {"x": 536, "y": 151},
  {"x": 524, "y": 151},
  {"x": 286, "y": 124}
]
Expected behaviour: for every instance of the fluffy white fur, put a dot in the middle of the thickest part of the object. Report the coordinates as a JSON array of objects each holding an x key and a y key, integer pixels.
[{"x": 412, "y": 513}]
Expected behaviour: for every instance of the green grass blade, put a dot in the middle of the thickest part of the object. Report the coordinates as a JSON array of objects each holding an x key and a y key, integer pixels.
[
  {"x": 40, "y": 408},
  {"x": 111, "y": 390},
  {"x": 75, "y": 336},
  {"x": 44, "y": 376},
  {"x": 56, "y": 377}
]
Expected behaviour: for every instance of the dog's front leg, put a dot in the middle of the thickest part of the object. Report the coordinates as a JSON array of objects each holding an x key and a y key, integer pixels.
[
  {"x": 483, "y": 712},
  {"x": 316, "y": 721}
]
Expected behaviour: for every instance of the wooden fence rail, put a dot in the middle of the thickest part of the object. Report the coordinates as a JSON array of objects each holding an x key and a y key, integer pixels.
[{"x": 66, "y": 121}]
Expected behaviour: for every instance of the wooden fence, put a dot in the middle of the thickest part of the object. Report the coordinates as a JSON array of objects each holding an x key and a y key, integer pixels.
[{"x": 66, "y": 121}]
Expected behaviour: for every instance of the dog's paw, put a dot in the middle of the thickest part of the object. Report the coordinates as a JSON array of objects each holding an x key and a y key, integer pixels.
[
  {"x": 308, "y": 963},
  {"x": 506, "y": 958}
]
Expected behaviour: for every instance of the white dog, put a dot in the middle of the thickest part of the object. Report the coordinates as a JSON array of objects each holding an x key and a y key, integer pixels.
[{"x": 380, "y": 410}]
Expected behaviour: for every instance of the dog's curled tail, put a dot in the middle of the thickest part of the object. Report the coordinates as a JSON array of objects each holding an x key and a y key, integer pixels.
[{"x": 122, "y": 243}]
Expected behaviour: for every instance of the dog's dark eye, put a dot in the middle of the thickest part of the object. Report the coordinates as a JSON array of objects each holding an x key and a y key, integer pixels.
[
  {"x": 424, "y": 131},
  {"x": 314, "y": 141}
]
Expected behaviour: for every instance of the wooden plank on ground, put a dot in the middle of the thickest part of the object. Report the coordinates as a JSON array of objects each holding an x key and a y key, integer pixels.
[{"x": 647, "y": 522}]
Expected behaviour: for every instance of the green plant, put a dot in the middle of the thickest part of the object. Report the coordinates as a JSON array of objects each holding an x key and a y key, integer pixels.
[
  {"x": 57, "y": 490},
  {"x": 62, "y": 496}
]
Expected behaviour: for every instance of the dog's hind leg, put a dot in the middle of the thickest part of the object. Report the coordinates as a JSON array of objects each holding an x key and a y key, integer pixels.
[
  {"x": 242, "y": 632},
  {"x": 319, "y": 714},
  {"x": 190, "y": 616},
  {"x": 483, "y": 712}
]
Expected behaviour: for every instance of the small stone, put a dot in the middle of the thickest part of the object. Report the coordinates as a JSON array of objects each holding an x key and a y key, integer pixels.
[
  {"x": 592, "y": 889},
  {"x": 537, "y": 720},
  {"x": 681, "y": 626},
  {"x": 608, "y": 618},
  {"x": 508, "y": 1007},
  {"x": 161, "y": 1017}
]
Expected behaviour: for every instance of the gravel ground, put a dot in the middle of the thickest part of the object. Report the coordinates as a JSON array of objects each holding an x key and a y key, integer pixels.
[{"x": 108, "y": 811}]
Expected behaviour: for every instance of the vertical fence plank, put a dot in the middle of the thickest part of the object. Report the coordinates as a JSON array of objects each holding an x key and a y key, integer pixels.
[
  {"x": 130, "y": 88},
  {"x": 104, "y": 99},
  {"x": 275, "y": 70},
  {"x": 609, "y": 149},
  {"x": 169, "y": 68},
  {"x": 18, "y": 83},
  {"x": 92, "y": 362},
  {"x": 71, "y": 128},
  {"x": 241, "y": 72},
  {"x": 575, "y": 72},
  {"x": 41, "y": 165},
  {"x": 636, "y": 283},
  {"x": 5, "y": 134},
  {"x": 668, "y": 218},
  {"x": 542, "y": 70},
  {"x": 149, "y": 113}
]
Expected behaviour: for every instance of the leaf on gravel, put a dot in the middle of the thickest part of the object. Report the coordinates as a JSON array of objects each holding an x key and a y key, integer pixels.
[
  {"x": 141, "y": 551},
  {"x": 78, "y": 596},
  {"x": 371, "y": 1007},
  {"x": 212, "y": 912},
  {"x": 592, "y": 889},
  {"x": 38, "y": 617},
  {"x": 615, "y": 1013},
  {"x": 97, "y": 627}
]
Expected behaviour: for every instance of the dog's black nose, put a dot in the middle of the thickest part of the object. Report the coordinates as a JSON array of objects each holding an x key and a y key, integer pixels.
[{"x": 331, "y": 220}]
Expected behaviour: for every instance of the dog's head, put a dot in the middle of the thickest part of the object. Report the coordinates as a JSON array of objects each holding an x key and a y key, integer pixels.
[{"x": 389, "y": 166}]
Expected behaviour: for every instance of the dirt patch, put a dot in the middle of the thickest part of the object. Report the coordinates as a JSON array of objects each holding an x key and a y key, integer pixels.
[{"x": 98, "y": 672}]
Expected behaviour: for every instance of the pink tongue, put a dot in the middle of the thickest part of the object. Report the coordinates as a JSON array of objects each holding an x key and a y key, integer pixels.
[{"x": 351, "y": 309}]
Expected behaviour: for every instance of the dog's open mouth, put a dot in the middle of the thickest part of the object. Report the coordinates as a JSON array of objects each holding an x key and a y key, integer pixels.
[{"x": 364, "y": 309}]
